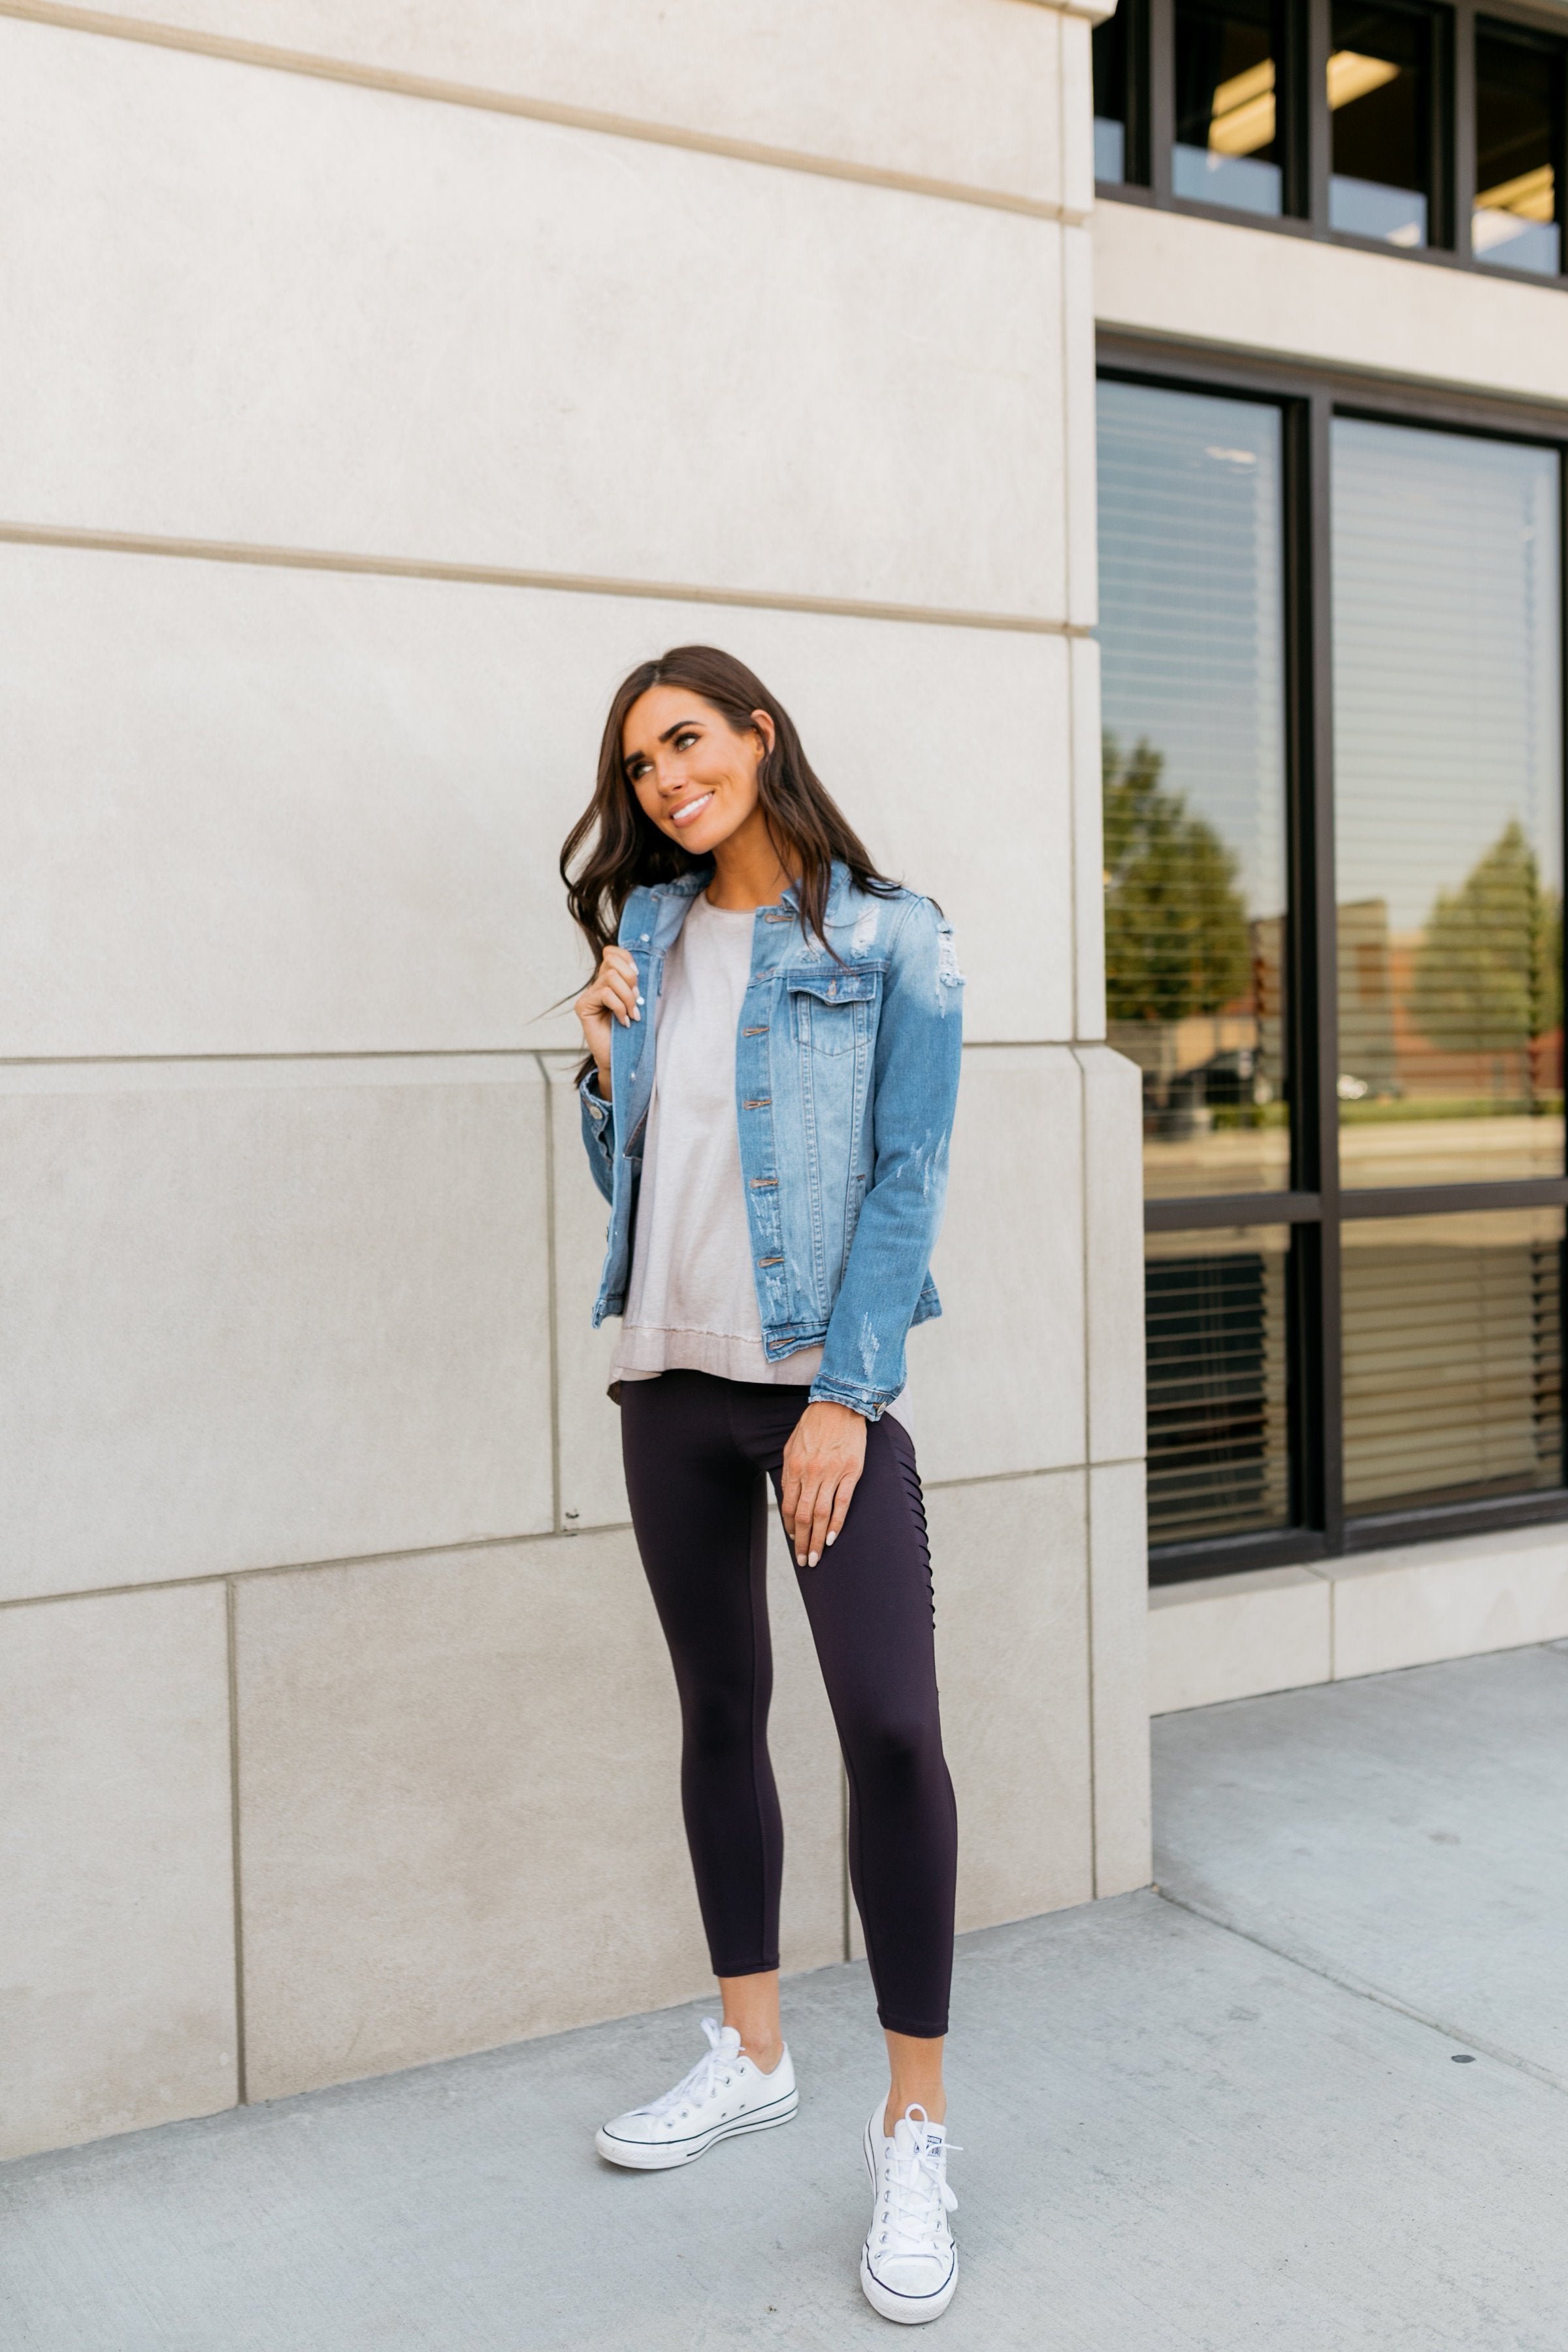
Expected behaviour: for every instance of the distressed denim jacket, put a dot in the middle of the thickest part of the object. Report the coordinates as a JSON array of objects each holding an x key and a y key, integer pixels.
[{"x": 846, "y": 1079}]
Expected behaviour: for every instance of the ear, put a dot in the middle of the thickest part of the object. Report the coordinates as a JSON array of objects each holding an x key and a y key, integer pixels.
[{"x": 763, "y": 726}]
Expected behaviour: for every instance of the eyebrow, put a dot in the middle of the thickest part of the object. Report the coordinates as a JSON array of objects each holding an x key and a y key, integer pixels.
[{"x": 680, "y": 727}]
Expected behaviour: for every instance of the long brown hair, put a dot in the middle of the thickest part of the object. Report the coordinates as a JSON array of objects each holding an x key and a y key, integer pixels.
[{"x": 807, "y": 828}]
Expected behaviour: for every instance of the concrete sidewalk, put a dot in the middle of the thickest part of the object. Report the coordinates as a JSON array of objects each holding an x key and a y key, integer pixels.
[{"x": 1226, "y": 2114}]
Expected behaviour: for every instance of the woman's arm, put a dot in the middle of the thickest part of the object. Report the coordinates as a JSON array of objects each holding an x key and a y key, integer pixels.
[
  {"x": 919, "y": 1043},
  {"x": 919, "y": 1038},
  {"x": 611, "y": 996}
]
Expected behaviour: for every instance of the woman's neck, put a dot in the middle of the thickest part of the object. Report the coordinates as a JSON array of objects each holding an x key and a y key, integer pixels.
[{"x": 747, "y": 870}]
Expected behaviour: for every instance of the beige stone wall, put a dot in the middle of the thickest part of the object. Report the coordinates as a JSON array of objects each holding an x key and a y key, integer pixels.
[{"x": 378, "y": 383}]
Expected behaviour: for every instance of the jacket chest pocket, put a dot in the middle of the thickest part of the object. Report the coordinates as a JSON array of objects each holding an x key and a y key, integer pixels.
[{"x": 831, "y": 1010}]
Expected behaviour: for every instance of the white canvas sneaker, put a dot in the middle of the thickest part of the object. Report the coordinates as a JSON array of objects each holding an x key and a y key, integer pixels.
[
  {"x": 724, "y": 2095},
  {"x": 909, "y": 2264}
]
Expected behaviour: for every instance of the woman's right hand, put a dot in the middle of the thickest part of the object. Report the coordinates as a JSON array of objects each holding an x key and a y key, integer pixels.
[{"x": 610, "y": 996}]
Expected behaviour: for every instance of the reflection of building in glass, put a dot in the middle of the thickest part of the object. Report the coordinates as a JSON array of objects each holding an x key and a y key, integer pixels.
[
  {"x": 1453, "y": 1357},
  {"x": 1218, "y": 1429},
  {"x": 1368, "y": 1058}
]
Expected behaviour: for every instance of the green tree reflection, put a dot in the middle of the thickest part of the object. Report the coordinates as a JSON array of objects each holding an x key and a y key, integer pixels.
[
  {"x": 1175, "y": 924},
  {"x": 1487, "y": 974}
]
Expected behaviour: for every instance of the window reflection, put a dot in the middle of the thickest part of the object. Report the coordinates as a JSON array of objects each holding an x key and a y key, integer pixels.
[
  {"x": 1448, "y": 777},
  {"x": 1191, "y": 567},
  {"x": 1110, "y": 56},
  {"x": 1218, "y": 1428},
  {"x": 1227, "y": 150},
  {"x": 1519, "y": 110},
  {"x": 1379, "y": 67},
  {"x": 1452, "y": 1356}
]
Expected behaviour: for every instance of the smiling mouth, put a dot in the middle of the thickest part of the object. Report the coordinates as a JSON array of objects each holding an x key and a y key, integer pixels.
[{"x": 689, "y": 809}]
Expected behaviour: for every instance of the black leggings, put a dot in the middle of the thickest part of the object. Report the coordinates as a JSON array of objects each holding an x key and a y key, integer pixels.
[{"x": 696, "y": 1450}]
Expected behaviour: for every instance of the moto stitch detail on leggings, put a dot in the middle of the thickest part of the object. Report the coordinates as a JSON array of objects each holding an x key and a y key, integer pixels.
[{"x": 697, "y": 1448}]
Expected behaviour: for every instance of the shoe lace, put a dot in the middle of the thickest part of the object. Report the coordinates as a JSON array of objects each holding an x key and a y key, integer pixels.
[
  {"x": 714, "y": 2068},
  {"x": 917, "y": 2193}
]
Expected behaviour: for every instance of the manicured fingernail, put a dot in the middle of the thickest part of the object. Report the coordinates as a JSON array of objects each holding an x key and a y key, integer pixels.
[
  {"x": 639, "y": 996},
  {"x": 800, "y": 1560},
  {"x": 813, "y": 1559},
  {"x": 833, "y": 1535}
]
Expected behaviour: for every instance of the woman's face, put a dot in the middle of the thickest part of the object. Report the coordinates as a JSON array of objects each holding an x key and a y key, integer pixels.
[{"x": 693, "y": 776}]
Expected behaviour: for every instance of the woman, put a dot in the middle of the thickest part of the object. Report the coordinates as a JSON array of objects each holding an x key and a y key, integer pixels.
[{"x": 772, "y": 1032}]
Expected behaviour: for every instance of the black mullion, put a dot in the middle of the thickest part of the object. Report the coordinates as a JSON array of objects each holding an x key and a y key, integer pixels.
[
  {"x": 1429, "y": 1522},
  {"x": 1319, "y": 34},
  {"x": 1293, "y": 83},
  {"x": 1392, "y": 400},
  {"x": 1162, "y": 88},
  {"x": 1135, "y": 94},
  {"x": 1562, "y": 753},
  {"x": 1203, "y": 1212},
  {"x": 1178, "y": 1563},
  {"x": 1441, "y": 127},
  {"x": 1562, "y": 673},
  {"x": 1453, "y": 1200},
  {"x": 1464, "y": 84},
  {"x": 1317, "y": 1122}
]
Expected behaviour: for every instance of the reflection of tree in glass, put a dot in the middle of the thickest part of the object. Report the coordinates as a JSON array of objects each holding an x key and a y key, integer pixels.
[
  {"x": 1488, "y": 970},
  {"x": 1175, "y": 924}
]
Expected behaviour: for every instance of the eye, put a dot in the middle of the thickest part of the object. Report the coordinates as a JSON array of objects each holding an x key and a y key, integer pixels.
[{"x": 687, "y": 737}]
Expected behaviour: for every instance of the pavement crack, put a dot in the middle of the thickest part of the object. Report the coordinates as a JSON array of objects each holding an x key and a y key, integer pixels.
[{"x": 1363, "y": 1991}]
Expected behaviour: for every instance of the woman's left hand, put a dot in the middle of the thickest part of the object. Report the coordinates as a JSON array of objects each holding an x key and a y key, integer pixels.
[{"x": 822, "y": 1466}]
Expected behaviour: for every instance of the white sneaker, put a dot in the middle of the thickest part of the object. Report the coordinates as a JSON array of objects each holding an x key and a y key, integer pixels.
[
  {"x": 909, "y": 2264},
  {"x": 724, "y": 2095}
]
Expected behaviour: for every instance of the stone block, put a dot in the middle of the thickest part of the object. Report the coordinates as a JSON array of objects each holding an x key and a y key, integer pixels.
[
  {"x": 461, "y": 1814},
  {"x": 211, "y": 340},
  {"x": 1114, "y": 1226},
  {"x": 117, "y": 1981},
  {"x": 1414, "y": 1605},
  {"x": 1012, "y": 1624},
  {"x": 301, "y": 812},
  {"x": 1119, "y": 1665},
  {"x": 997, "y": 1384},
  {"x": 263, "y": 1311},
  {"x": 1224, "y": 1637},
  {"x": 854, "y": 85}
]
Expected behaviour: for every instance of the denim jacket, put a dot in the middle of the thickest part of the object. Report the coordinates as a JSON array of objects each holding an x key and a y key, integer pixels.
[{"x": 846, "y": 1079}]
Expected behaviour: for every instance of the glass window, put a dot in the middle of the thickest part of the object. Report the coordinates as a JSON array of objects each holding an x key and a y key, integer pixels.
[
  {"x": 1379, "y": 99},
  {"x": 1228, "y": 147},
  {"x": 1193, "y": 690},
  {"x": 1219, "y": 1435},
  {"x": 1448, "y": 789},
  {"x": 1110, "y": 54},
  {"x": 1519, "y": 112},
  {"x": 1452, "y": 1356}
]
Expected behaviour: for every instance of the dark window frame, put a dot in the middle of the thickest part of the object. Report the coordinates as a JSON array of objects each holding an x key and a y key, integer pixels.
[
  {"x": 1314, "y": 1206},
  {"x": 1305, "y": 127}
]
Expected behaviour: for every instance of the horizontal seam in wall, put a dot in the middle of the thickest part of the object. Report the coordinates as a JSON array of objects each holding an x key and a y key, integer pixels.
[
  {"x": 430, "y": 88},
  {"x": 1012, "y": 1477},
  {"x": 423, "y": 1551},
  {"x": 492, "y": 576},
  {"x": 306, "y": 1567}
]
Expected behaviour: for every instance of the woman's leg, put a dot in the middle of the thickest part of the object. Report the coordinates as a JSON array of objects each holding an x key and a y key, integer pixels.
[
  {"x": 700, "y": 1512},
  {"x": 870, "y": 1607}
]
